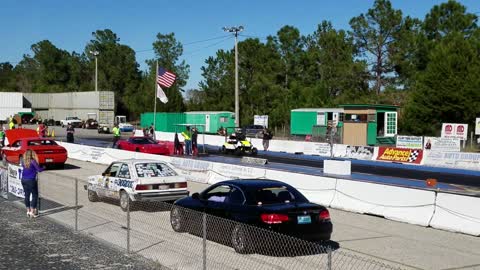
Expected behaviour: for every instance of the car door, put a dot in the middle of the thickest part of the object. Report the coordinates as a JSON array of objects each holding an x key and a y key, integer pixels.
[
  {"x": 216, "y": 200},
  {"x": 107, "y": 182},
  {"x": 236, "y": 208},
  {"x": 123, "y": 181}
]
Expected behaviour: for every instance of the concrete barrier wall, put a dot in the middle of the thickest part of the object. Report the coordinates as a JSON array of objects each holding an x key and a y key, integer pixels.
[
  {"x": 396, "y": 203},
  {"x": 457, "y": 213},
  {"x": 422, "y": 207}
]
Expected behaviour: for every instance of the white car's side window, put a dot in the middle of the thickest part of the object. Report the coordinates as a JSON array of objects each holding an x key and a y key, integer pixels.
[{"x": 124, "y": 172}]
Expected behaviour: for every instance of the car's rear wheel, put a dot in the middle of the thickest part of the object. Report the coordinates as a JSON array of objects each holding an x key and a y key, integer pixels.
[
  {"x": 92, "y": 196},
  {"x": 176, "y": 219},
  {"x": 254, "y": 151},
  {"x": 125, "y": 201},
  {"x": 119, "y": 147},
  {"x": 239, "y": 151},
  {"x": 240, "y": 240}
]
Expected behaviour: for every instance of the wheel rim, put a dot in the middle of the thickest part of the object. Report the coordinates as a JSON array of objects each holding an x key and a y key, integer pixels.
[
  {"x": 175, "y": 219},
  {"x": 124, "y": 200},
  {"x": 91, "y": 195}
]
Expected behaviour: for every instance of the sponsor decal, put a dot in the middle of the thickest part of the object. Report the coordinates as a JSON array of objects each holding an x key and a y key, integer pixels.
[
  {"x": 124, "y": 183},
  {"x": 414, "y": 142},
  {"x": 400, "y": 155},
  {"x": 359, "y": 152}
]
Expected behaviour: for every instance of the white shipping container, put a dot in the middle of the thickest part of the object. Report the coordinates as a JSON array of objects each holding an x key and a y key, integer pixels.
[
  {"x": 11, "y": 100},
  {"x": 61, "y": 100},
  {"x": 106, "y": 118},
  {"x": 106, "y": 100},
  {"x": 38, "y": 100},
  {"x": 5, "y": 113},
  {"x": 85, "y": 100}
]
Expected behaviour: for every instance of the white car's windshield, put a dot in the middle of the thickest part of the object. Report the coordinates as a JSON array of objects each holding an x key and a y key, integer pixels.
[{"x": 153, "y": 169}]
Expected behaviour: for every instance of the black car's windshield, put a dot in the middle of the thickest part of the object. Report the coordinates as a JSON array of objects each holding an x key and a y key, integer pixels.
[
  {"x": 142, "y": 141},
  {"x": 275, "y": 195}
]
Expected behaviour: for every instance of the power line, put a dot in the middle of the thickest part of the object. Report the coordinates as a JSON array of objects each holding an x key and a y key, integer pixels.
[
  {"x": 249, "y": 36},
  {"x": 190, "y": 43},
  {"x": 209, "y": 46}
]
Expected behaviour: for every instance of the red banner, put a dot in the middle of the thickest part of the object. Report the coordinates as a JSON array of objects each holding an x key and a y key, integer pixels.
[{"x": 403, "y": 155}]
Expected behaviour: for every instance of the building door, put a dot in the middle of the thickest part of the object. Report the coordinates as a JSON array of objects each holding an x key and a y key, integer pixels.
[
  {"x": 207, "y": 123},
  {"x": 390, "y": 124}
]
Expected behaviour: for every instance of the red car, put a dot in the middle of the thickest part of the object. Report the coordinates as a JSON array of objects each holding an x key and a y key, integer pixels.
[
  {"x": 144, "y": 145},
  {"x": 47, "y": 150}
]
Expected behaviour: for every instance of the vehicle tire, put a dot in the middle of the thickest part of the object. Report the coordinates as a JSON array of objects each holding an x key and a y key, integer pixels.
[
  {"x": 92, "y": 196},
  {"x": 254, "y": 151},
  {"x": 224, "y": 150},
  {"x": 125, "y": 201},
  {"x": 177, "y": 220},
  {"x": 240, "y": 241},
  {"x": 63, "y": 126},
  {"x": 238, "y": 151},
  {"x": 119, "y": 147},
  {"x": 87, "y": 126},
  {"x": 137, "y": 150}
]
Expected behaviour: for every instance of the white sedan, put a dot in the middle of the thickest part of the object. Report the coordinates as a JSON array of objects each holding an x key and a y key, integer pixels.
[{"x": 134, "y": 180}]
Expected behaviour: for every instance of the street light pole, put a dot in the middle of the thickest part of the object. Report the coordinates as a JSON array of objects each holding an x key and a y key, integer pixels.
[
  {"x": 95, "y": 53},
  {"x": 235, "y": 30}
]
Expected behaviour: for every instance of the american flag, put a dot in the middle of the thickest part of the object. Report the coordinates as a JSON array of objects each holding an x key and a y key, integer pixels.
[{"x": 165, "y": 78}]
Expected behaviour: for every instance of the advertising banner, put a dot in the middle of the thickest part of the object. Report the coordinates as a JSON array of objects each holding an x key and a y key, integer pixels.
[
  {"x": 14, "y": 181},
  {"x": 261, "y": 120},
  {"x": 412, "y": 142},
  {"x": 459, "y": 131},
  {"x": 413, "y": 156},
  {"x": 359, "y": 152},
  {"x": 458, "y": 160},
  {"x": 442, "y": 144}
]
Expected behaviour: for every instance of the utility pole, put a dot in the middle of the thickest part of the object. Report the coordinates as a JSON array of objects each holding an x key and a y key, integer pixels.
[
  {"x": 235, "y": 30},
  {"x": 96, "y": 53}
]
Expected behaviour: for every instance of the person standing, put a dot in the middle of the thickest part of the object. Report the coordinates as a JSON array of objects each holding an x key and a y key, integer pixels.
[
  {"x": 116, "y": 135},
  {"x": 187, "y": 135},
  {"x": 70, "y": 133},
  {"x": 176, "y": 145},
  {"x": 11, "y": 125},
  {"x": 2, "y": 136},
  {"x": 30, "y": 170},
  {"x": 267, "y": 136},
  {"x": 151, "y": 131},
  {"x": 194, "y": 141}
]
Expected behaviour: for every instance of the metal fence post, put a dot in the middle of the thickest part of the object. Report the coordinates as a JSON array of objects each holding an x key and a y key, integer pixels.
[
  {"x": 329, "y": 260},
  {"x": 76, "y": 204},
  {"x": 128, "y": 226},
  {"x": 204, "y": 227}
]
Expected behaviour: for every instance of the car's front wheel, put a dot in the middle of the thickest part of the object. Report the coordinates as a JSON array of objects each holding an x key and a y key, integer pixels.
[
  {"x": 92, "y": 196},
  {"x": 176, "y": 219},
  {"x": 240, "y": 240},
  {"x": 125, "y": 201}
]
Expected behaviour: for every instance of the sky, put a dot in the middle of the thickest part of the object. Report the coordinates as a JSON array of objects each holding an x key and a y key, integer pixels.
[{"x": 69, "y": 24}]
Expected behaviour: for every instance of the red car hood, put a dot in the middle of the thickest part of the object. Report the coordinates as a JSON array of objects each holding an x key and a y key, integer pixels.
[
  {"x": 153, "y": 146},
  {"x": 20, "y": 133}
]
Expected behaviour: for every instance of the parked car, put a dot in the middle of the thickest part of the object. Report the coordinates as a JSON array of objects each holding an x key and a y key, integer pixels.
[
  {"x": 267, "y": 204},
  {"x": 253, "y": 131},
  {"x": 75, "y": 121},
  {"x": 90, "y": 124},
  {"x": 134, "y": 180},
  {"x": 19, "y": 140},
  {"x": 144, "y": 145}
]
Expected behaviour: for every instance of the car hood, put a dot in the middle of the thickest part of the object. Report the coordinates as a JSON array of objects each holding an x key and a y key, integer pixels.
[{"x": 20, "y": 133}]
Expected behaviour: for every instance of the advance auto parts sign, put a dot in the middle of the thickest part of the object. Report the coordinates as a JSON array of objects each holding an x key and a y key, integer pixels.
[{"x": 400, "y": 155}]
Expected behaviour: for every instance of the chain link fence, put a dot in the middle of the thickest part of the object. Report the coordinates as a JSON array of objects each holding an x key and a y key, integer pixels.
[{"x": 181, "y": 238}]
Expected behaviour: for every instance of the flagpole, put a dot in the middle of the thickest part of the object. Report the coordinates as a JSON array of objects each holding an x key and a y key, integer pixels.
[{"x": 155, "y": 97}]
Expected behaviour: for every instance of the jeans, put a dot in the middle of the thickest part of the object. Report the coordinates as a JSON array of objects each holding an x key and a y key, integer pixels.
[
  {"x": 188, "y": 147},
  {"x": 30, "y": 187}
]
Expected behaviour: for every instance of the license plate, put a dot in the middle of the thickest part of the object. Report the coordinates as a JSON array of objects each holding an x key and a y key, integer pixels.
[
  {"x": 48, "y": 160},
  {"x": 162, "y": 187},
  {"x": 304, "y": 219}
]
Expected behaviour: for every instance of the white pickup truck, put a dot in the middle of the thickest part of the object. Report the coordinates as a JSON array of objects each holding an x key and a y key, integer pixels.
[{"x": 71, "y": 120}]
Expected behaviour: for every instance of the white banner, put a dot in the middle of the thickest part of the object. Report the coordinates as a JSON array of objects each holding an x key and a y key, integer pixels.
[
  {"x": 321, "y": 149},
  {"x": 412, "y": 142},
  {"x": 459, "y": 131},
  {"x": 14, "y": 181},
  {"x": 458, "y": 160},
  {"x": 4, "y": 183},
  {"x": 261, "y": 120},
  {"x": 442, "y": 144}
]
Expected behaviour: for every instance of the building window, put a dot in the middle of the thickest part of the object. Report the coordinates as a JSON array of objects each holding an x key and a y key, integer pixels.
[{"x": 223, "y": 119}]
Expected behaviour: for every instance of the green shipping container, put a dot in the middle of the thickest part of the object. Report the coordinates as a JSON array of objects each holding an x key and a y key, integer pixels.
[{"x": 167, "y": 122}]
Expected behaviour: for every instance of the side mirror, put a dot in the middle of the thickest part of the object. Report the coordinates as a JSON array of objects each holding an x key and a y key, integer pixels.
[{"x": 196, "y": 196}]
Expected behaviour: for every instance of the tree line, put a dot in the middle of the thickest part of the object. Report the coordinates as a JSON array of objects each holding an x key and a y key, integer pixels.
[{"x": 430, "y": 67}]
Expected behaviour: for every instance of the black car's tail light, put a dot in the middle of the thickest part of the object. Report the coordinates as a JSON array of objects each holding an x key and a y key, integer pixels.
[
  {"x": 274, "y": 218},
  {"x": 324, "y": 215}
]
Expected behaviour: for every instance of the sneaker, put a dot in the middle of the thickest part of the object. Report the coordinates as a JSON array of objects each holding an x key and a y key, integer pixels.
[{"x": 34, "y": 213}]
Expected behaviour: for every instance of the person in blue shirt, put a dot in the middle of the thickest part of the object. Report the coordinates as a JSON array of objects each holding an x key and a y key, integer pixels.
[{"x": 30, "y": 169}]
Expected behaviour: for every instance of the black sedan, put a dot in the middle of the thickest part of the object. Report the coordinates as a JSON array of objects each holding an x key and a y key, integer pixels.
[{"x": 267, "y": 204}]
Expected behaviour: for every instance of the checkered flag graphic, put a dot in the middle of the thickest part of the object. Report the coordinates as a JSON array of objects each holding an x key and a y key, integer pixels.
[{"x": 413, "y": 155}]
